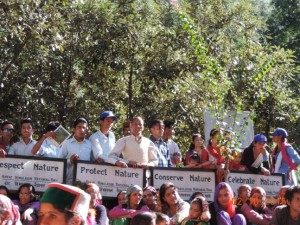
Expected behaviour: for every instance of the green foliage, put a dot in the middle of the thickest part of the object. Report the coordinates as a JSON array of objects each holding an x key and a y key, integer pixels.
[{"x": 64, "y": 59}]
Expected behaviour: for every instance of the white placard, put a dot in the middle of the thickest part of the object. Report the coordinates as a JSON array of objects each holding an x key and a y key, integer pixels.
[
  {"x": 15, "y": 171},
  {"x": 239, "y": 123},
  {"x": 187, "y": 181},
  {"x": 111, "y": 179},
  {"x": 61, "y": 136},
  {"x": 271, "y": 184}
]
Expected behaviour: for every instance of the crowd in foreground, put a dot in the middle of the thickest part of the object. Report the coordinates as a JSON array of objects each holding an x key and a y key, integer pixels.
[{"x": 64, "y": 204}]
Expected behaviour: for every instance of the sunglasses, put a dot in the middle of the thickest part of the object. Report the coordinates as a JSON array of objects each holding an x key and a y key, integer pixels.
[{"x": 8, "y": 130}]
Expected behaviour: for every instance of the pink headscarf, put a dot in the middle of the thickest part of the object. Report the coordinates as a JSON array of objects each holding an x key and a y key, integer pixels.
[{"x": 9, "y": 211}]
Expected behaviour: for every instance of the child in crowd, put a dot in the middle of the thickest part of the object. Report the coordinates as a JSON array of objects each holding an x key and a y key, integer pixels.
[
  {"x": 243, "y": 194},
  {"x": 235, "y": 163},
  {"x": 194, "y": 161},
  {"x": 196, "y": 210},
  {"x": 144, "y": 218},
  {"x": 162, "y": 219},
  {"x": 121, "y": 196},
  {"x": 257, "y": 212},
  {"x": 177, "y": 159}
]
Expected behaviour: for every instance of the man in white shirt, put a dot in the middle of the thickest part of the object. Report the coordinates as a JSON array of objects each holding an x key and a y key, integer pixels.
[
  {"x": 77, "y": 147},
  {"x": 26, "y": 143},
  {"x": 104, "y": 140},
  {"x": 137, "y": 151},
  {"x": 167, "y": 135}
]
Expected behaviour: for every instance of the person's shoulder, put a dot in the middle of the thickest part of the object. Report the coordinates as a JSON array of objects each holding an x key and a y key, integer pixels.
[
  {"x": 100, "y": 207},
  {"x": 281, "y": 208},
  {"x": 87, "y": 141},
  {"x": 184, "y": 204},
  {"x": 111, "y": 134},
  {"x": 95, "y": 135}
]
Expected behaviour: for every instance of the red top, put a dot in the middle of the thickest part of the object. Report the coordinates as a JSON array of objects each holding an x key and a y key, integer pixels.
[
  {"x": 203, "y": 156},
  {"x": 216, "y": 152}
]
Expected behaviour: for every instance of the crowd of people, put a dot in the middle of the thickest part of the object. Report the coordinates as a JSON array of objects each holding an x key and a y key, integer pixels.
[
  {"x": 66, "y": 204},
  {"x": 158, "y": 205}
]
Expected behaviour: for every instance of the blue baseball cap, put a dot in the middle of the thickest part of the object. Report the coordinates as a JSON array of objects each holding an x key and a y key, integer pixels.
[
  {"x": 260, "y": 138},
  {"x": 279, "y": 131},
  {"x": 106, "y": 114}
]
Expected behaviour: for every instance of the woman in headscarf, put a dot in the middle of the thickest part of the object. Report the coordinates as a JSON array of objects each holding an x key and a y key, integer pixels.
[
  {"x": 121, "y": 215},
  {"x": 223, "y": 209},
  {"x": 9, "y": 213}
]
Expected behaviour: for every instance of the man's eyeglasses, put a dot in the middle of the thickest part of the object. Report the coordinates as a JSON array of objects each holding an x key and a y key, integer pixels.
[{"x": 8, "y": 130}]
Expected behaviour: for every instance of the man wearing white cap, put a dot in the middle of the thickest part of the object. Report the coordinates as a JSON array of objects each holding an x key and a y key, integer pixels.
[
  {"x": 104, "y": 139},
  {"x": 284, "y": 157},
  {"x": 63, "y": 204}
]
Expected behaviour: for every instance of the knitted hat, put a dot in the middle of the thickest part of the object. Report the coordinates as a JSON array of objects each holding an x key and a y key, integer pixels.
[{"x": 67, "y": 197}]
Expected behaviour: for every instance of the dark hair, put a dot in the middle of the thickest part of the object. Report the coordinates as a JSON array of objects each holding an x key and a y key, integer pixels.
[
  {"x": 168, "y": 124},
  {"x": 155, "y": 122},
  {"x": 52, "y": 125},
  {"x": 121, "y": 192},
  {"x": 212, "y": 133},
  {"x": 199, "y": 202},
  {"x": 5, "y": 123},
  {"x": 289, "y": 194},
  {"x": 192, "y": 145},
  {"x": 31, "y": 190},
  {"x": 195, "y": 157},
  {"x": 70, "y": 214},
  {"x": 126, "y": 124},
  {"x": 194, "y": 195},
  {"x": 5, "y": 188},
  {"x": 79, "y": 120},
  {"x": 144, "y": 218},
  {"x": 151, "y": 189},
  {"x": 162, "y": 191},
  {"x": 160, "y": 217},
  {"x": 27, "y": 120}
]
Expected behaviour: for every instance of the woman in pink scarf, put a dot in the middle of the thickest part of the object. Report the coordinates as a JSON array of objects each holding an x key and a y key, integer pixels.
[{"x": 9, "y": 213}]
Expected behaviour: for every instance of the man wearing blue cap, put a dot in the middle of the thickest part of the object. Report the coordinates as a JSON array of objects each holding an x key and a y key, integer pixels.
[
  {"x": 103, "y": 141},
  {"x": 284, "y": 157}
]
